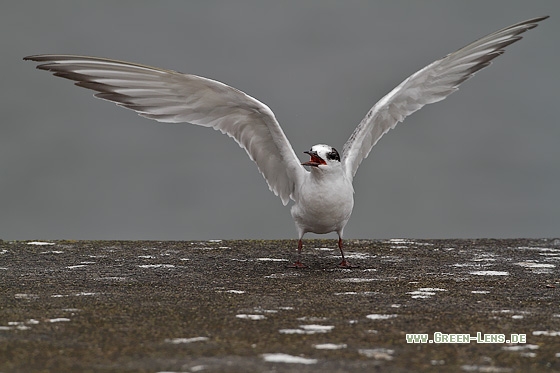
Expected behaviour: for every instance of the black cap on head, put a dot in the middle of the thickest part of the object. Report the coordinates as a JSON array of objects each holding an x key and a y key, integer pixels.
[{"x": 333, "y": 155}]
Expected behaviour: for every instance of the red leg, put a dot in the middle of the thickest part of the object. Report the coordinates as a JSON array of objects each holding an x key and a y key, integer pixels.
[
  {"x": 298, "y": 263},
  {"x": 344, "y": 263}
]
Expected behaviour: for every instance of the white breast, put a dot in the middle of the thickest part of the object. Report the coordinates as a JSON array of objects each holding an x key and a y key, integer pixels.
[{"x": 324, "y": 202}]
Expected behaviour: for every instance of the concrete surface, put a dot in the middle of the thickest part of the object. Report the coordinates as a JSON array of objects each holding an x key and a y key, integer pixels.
[{"x": 233, "y": 306}]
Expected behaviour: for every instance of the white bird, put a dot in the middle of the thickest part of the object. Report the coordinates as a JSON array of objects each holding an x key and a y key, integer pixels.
[{"x": 323, "y": 196}]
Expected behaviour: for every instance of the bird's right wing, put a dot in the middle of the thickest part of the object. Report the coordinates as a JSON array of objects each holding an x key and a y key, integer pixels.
[
  {"x": 431, "y": 84},
  {"x": 170, "y": 96}
]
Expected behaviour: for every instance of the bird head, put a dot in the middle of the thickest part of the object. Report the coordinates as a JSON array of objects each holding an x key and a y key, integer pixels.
[{"x": 322, "y": 155}]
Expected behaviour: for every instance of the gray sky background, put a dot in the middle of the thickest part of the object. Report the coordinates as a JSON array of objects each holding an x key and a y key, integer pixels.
[{"x": 482, "y": 163}]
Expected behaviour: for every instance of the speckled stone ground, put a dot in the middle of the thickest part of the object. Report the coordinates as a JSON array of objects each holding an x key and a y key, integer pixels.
[{"x": 233, "y": 306}]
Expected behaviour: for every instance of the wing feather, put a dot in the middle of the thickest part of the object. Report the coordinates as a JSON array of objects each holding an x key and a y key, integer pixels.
[
  {"x": 431, "y": 84},
  {"x": 170, "y": 96}
]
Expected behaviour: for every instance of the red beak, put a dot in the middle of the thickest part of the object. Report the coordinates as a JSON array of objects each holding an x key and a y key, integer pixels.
[{"x": 315, "y": 160}]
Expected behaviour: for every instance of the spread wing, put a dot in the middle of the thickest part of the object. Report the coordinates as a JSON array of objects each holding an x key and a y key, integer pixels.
[
  {"x": 170, "y": 96},
  {"x": 431, "y": 84}
]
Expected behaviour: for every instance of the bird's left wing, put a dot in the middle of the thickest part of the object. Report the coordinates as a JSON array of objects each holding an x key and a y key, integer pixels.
[
  {"x": 170, "y": 96},
  {"x": 431, "y": 84}
]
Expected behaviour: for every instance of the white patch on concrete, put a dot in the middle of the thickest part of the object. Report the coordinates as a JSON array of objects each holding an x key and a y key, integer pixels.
[
  {"x": 308, "y": 329},
  {"x": 81, "y": 294},
  {"x": 547, "y": 333},
  {"x": 356, "y": 280},
  {"x": 312, "y": 318},
  {"x": 357, "y": 293},
  {"x": 485, "y": 369},
  {"x": 26, "y": 296},
  {"x": 520, "y": 347},
  {"x": 535, "y": 265},
  {"x": 250, "y": 317},
  {"x": 177, "y": 341},
  {"x": 317, "y": 328},
  {"x": 282, "y": 275},
  {"x": 84, "y": 294},
  {"x": 289, "y": 359},
  {"x": 59, "y": 319},
  {"x": 272, "y": 260},
  {"x": 400, "y": 241},
  {"x": 261, "y": 310},
  {"x": 544, "y": 249},
  {"x": 359, "y": 256},
  {"x": 431, "y": 289},
  {"x": 40, "y": 243},
  {"x": 378, "y": 316},
  {"x": 157, "y": 266},
  {"x": 489, "y": 273},
  {"x": 19, "y": 325},
  {"x": 293, "y": 331},
  {"x": 330, "y": 346},
  {"x": 423, "y": 293},
  {"x": 377, "y": 353},
  {"x": 235, "y": 291}
]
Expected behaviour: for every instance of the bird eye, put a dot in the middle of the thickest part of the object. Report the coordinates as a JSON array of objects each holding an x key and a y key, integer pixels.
[{"x": 333, "y": 155}]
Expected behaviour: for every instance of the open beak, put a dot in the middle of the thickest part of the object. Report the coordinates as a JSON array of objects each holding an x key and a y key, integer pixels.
[{"x": 315, "y": 160}]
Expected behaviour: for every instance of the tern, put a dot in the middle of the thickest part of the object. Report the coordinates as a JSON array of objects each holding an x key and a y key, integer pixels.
[{"x": 323, "y": 194}]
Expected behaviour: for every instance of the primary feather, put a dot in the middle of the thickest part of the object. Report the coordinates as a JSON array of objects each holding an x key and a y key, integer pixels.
[
  {"x": 170, "y": 96},
  {"x": 431, "y": 84}
]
